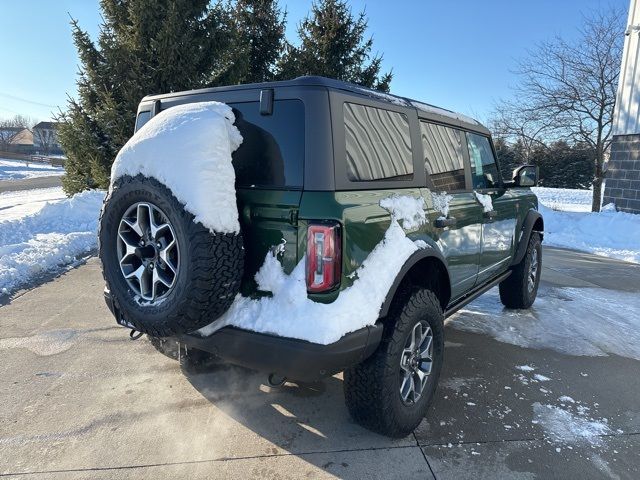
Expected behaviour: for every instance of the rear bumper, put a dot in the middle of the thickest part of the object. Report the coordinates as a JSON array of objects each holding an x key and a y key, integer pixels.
[{"x": 288, "y": 357}]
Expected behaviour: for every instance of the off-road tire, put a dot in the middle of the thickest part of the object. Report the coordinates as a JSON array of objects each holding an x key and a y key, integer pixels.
[
  {"x": 514, "y": 291},
  {"x": 372, "y": 388},
  {"x": 211, "y": 265}
]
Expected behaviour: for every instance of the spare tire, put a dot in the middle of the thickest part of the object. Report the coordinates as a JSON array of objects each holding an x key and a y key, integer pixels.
[{"x": 167, "y": 273}]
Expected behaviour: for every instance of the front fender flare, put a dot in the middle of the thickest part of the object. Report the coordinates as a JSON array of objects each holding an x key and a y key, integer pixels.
[{"x": 525, "y": 233}]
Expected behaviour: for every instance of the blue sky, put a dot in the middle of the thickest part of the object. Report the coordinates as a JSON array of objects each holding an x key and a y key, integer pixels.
[{"x": 455, "y": 54}]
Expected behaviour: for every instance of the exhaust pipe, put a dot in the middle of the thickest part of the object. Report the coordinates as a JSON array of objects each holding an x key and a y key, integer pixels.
[{"x": 274, "y": 380}]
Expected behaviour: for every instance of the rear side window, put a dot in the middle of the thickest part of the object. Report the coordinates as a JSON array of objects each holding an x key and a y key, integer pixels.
[
  {"x": 378, "y": 144},
  {"x": 143, "y": 117},
  {"x": 484, "y": 169},
  {"x": 443, "y": 157},
  {"x": 272, "y": 151}
]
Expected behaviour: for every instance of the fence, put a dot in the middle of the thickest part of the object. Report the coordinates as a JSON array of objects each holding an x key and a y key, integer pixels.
[{"x": 55, "y": 161}]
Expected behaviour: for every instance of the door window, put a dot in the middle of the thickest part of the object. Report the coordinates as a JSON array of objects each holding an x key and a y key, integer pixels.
[
  {"x": 484, "y": 170},
  {"x": 443, "y": 157}
]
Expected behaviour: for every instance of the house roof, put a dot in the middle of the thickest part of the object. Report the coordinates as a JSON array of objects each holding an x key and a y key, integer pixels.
[
  {"x": 46, "y": 126},
  {"x": 23, "y": 137},
  {"x": 18, "y": 135}
]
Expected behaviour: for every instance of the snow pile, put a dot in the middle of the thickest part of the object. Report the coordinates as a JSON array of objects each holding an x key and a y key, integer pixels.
[
  {"x": 53, "y": 237},
  {"x": 564, "y": 199},
  {"x": 18, "y": 169},
  {"x": 485, "y": 201},
  {"x": 20, "y": 203},
  {"x": 405, "y": 209},
  {"x": 289, "y": 313},
  {"x": 559, "y": 314},
  {"x": 569, "y": 223},
  {"x": 441, "y": 203},
  {"x": 562, "y": 426},
  {"x": 607, "y": 233},
  {"x": 183, "y": 141}
]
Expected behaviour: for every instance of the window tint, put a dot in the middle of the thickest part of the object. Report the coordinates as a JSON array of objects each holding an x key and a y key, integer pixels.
[
  {"x": 143, "y": 117},
  {"x": 484, "y": 170},
  {"x": 272, "y": 150},
  {"x": 443, "y": 157},
  {"x": 378, "y": 144}
]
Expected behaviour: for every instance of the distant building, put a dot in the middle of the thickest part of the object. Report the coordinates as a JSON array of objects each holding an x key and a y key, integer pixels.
[
  {"x": 45, "y": 139},
  {"x": 623, "y": 174},
  {"x": 16, "y": 140}
]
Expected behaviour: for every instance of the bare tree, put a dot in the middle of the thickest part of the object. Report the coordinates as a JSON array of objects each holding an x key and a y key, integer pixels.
[
  {"x": 10, "y": 127},
  {"x": 516, "y": 123},
  {"x": 45, "y": 138},
  {"x": 567, "y": 91}
]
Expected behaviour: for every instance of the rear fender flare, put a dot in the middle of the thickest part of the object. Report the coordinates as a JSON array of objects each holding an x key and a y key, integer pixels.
[{"x": 418, "y": 256}]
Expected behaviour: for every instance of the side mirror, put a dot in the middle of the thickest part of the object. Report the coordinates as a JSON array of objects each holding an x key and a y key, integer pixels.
[{"x": 525, "y": 176}]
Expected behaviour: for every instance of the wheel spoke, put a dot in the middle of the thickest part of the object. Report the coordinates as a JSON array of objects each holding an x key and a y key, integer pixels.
[
  {"x": 133, "y": 225},
  {"x": 425, "y": 366},
  {"x": 164, "y": 256},
  {"x": 158, "y": 277},
  {"x": 129, "y": 248},
  {"x": 407, "y": 387},
  {"x": 425, "y": 351},
  {"x": 155, "y": 227},
  {"x": 144, "y": 217}
]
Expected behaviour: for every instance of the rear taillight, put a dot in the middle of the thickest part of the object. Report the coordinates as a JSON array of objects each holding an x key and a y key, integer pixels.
[{"x": 323, "y": 257}]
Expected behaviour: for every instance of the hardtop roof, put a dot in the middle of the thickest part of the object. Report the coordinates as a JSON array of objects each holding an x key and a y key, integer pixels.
[{"x": 332, "y": 84}]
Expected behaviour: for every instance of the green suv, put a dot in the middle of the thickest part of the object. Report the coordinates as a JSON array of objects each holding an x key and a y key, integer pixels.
[{"x": 317, "y": 158}]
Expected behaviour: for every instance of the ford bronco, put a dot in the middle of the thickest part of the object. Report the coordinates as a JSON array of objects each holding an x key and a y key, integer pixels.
[{"x": 317, "y": 158}]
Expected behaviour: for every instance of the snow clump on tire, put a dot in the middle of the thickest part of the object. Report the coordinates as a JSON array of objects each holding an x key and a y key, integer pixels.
[{"x": 169, "y": 236}]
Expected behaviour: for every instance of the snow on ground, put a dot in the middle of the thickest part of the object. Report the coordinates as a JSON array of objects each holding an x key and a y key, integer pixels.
[
  {"x": 18, "y": 204},
  {"x": 564, "y": 199},
  {"x": 19, "y": 169},
  {"x": 288, "y": 311},
  {"x": 203, "y": 137},
  {"x": 563, "y": 426},
  {"x": 42, "y": 242},
  {"x": 569, "y": 223},
  {"x": 557, "y": 315}
]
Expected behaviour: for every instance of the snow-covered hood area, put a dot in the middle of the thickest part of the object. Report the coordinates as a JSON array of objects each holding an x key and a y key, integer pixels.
[
  {"x": 289, "y": 313},
  {"x": 188, "y": 149}
]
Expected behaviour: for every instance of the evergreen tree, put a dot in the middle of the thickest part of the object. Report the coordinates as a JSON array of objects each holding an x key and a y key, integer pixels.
[
  {"x": 333, "y": 44},
  {"x": 259, "y": 27},
  {"x": 144, "y": 46}
]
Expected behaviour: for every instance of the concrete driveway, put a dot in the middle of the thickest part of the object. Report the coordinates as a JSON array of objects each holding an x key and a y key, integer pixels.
[{"x": 78, "y": 399}]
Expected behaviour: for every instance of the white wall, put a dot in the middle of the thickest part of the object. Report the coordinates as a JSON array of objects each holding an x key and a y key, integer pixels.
[{"x": 626, "y": 118}]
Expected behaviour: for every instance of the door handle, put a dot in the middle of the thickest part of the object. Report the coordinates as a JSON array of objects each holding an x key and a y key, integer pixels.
[
  {"x": 490, "y": 214},
  {"x": 445, "y": 222}
]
